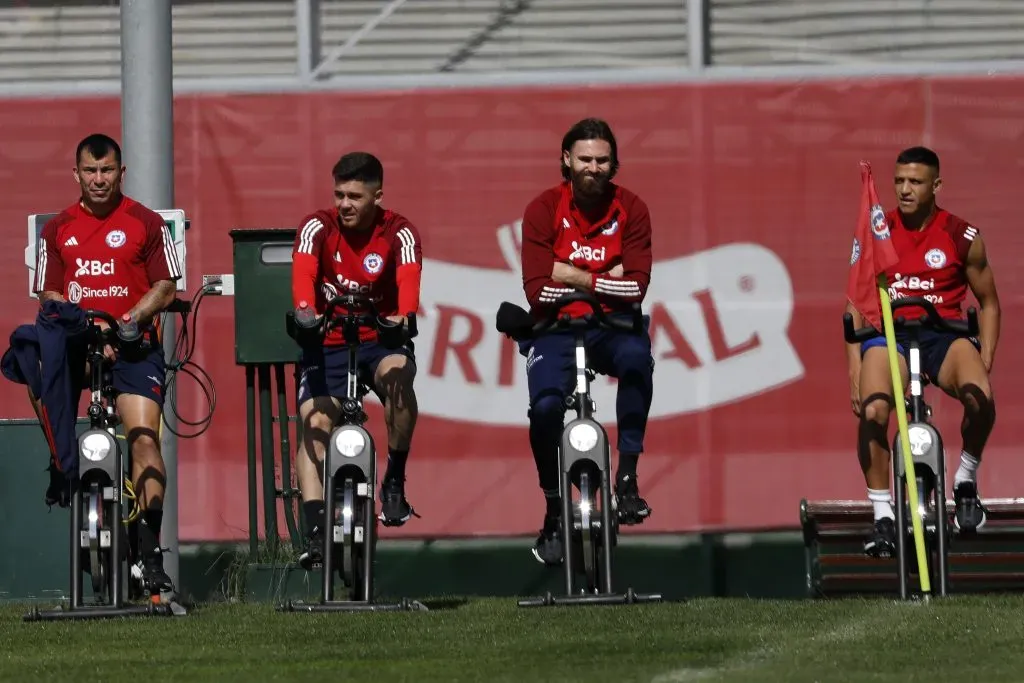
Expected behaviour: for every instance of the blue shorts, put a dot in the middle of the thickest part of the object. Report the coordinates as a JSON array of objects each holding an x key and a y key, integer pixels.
[
  {"x": 143, "y": 376},
  {"x": 324, "y": 371},
  {"x": 933, "y": 345}
]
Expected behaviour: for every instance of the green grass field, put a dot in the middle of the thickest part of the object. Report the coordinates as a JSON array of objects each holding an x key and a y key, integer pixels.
[{"x": 971, "y": 639}]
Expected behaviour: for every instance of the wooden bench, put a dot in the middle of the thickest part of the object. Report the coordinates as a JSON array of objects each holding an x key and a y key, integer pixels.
[{"x": 990, "y": 560}]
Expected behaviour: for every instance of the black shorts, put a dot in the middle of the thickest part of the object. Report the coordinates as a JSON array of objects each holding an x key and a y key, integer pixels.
[
  {"x": 933, "y": 345},
  {"x": 324, "y": 371},
  {"x": 142, "y": 376}
]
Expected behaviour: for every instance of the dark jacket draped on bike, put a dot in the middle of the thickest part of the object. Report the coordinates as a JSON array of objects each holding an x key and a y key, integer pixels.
[{"x": 41, "y": 356}]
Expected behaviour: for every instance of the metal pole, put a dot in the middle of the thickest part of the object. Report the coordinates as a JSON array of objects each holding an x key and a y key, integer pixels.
[
  {"x": 148, "y": 142},
  {"x": 307, "y": 35},
  {"x": 697, "y": 30}
]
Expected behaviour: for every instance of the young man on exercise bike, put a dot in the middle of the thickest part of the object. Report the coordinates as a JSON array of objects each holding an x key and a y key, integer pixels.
[
  {"x": 592, "y": 235},
  {"x": 940, "y": 256},
  {"x": 111, "y": 253},
  {"x": 357, "y": 247}
]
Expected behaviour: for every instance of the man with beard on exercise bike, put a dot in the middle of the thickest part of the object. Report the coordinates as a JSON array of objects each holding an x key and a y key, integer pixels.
[{"x": 587, "y": 234}]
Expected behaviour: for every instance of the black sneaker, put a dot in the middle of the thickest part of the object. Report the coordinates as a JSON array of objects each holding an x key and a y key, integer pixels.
[
  {"x": 548, "y": 548},
  {"x": 313, "y": 555},
  {"x": 970, "y": 513},
  {"x": 394, "y": 508},
  {"x": 631, "y": 508},
  {"x": 882, "y": 543},
  {"x": 154, "y": 578}
]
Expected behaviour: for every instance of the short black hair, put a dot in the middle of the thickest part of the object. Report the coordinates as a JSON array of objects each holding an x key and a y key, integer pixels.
[
  {"x": 919, "y": 155},
  {"x": 589, "y": 129},
  {"x": 361, "y": 166},
  {"x": 99, "y": 146}
]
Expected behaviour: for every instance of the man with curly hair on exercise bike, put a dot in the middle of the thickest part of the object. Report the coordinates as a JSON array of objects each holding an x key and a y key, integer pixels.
[
  {"x": 940, "y": 257},
  {"x": 587, "y": 234},
  {"x": 110, "y": 253},
  {"x": 356, "y": 246}
]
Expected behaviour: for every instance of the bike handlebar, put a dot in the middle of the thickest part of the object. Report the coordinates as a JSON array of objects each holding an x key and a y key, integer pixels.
[
  {"x": 353, "y": 302},
  {"x": 112, "y": 334},
  {"x": 517, "y": 323},
  {"x": 92, "y": 314},
  {"x": 931, "y": 320}
]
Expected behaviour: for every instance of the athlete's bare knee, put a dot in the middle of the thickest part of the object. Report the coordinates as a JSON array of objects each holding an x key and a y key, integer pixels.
[
  {"x": 978, "y": 403},
  {"x": 876, "y": 408}
]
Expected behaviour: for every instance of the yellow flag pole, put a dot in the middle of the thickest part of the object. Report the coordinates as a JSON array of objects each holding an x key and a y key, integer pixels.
[{"x": 901, "y": 417}]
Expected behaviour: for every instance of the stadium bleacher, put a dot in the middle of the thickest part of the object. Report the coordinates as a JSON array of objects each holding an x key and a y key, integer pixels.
[{"x": 79, "y": 41}]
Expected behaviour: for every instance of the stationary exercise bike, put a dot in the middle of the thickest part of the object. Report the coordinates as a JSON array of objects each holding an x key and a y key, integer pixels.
[
  {"x": 350, "y": 463},
  {"x": 589, "y": 524},
  {"x": 926, "y": 448},
  {"x": 99, "y": 535}
]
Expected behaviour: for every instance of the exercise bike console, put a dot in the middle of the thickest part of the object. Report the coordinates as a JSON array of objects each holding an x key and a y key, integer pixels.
[
  {"x": 589, "y": 526},
  {"x": 926, "y": 447}
]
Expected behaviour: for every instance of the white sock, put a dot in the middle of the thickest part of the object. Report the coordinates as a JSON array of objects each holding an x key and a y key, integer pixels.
[
  {"x": 882, "y": 500},
  {"x": 968, "y": 468}
]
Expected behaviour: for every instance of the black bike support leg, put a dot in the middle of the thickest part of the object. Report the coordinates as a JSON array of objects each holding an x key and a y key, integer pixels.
[
  {"x": 568, "y": 523},
  {"x": 330, "y": 501},
  {"x": 267, "y": 456},
  {"x": 117, "y": 517},
  {"x": 116, "y": 590},
  {"x": 284, "y": 429},
  {"x": 76, "y": 546},
  {"x": 901, "y": 534},
  {"x": 942, "y": 525},
  {"x": 369, "y": 536},
  {"x": 250, "y": 447},
  {"x": 607, "y": 519}
]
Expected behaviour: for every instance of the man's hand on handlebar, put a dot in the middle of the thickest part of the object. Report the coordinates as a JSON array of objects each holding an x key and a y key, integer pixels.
[
  {"x": 400, "y": 319},
  {"x": 108, "y": 351}
]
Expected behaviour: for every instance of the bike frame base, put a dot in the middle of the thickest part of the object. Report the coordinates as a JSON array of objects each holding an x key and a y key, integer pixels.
[
  {"x": 403, "y": 605},
  {"x": 172, "y": 609},
  {"x": 627, "y": 598}
]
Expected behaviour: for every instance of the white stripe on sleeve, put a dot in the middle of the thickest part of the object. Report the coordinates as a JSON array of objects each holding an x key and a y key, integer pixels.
[{"x": 306, "y": 235}]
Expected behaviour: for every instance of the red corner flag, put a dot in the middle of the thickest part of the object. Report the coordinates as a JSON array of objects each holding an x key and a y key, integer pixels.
[{"x": 873, "y": 252}]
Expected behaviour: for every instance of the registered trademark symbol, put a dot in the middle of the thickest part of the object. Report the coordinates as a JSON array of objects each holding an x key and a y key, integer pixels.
[{"x": 747, "y": 283}]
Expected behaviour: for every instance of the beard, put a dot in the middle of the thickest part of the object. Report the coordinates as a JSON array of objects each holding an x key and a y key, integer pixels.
[{"x": 590, "y": 185}]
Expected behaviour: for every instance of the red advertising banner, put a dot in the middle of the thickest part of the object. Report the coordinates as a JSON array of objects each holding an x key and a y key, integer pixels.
[{"x": 753, "y": 190}]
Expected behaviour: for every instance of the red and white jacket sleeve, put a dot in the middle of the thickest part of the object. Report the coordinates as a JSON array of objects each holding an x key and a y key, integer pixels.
[
  {"x": 636, "y": 261},
  {"x": 309, "y": 241},
  {"x": 408, "y": 254},
  {"x": 538, "y": 256}
]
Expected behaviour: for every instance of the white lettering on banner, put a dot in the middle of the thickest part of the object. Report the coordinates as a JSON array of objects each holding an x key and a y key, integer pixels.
[
  {"x": 719, "y": 326},
  {"x": 86, "y": 267}
]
